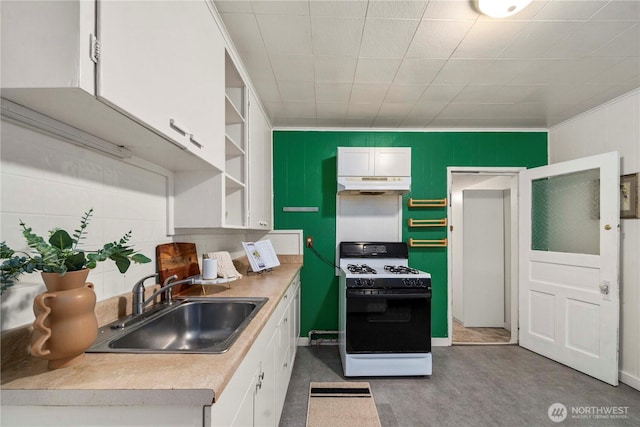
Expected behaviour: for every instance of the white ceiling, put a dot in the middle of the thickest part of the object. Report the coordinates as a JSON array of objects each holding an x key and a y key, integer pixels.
[{"x": 436, "y": 63}]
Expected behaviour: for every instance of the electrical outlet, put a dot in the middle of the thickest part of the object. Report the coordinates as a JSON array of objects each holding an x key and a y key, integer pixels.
[{"x": 309, "y": 242}]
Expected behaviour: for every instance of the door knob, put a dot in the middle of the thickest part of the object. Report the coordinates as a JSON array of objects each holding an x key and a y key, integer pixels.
[
  {"x": 607, "y": 227},
  {"x": 604, "y": 288}
]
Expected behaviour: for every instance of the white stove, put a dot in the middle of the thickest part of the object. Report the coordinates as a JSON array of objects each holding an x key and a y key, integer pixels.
[{"x": 385, "y": 311}]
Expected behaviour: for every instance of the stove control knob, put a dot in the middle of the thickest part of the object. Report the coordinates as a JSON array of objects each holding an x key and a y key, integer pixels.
[{"x": 363, "y": 283}]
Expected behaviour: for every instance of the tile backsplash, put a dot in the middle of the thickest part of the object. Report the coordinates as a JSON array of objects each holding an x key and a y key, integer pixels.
[{"x": 49, "y": 183}]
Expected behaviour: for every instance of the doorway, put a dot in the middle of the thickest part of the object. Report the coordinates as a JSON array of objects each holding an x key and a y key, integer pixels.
[{"x": 482, "y": 257}]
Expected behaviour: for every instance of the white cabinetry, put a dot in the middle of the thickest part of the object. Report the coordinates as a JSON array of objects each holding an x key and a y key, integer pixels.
[
  {"x": 255, "y": 394},
  {"x": 235, "y": 170},
  {"x": 288, "y": 331},
  {"x": 218, "y": 198},
  {"x": 355, "y": 161},
  {"x": 163, "y": 63},
  {"x": 40, "y": 47},
  {"x": 260, "y": 181},
  {"x": 150, "y": 70},
  {"x": 257, "y": 407},
  {"x": 374, "y": 161},
  {"x": 240, "y": 194},
  {"x": 154, "y": 77},
  {"x": 265, "y": 397}
]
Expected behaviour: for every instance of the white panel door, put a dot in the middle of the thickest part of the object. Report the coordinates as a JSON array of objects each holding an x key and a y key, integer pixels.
[
  {"x": 483, "y": 258},
  {"x": 569, "y": 243}
]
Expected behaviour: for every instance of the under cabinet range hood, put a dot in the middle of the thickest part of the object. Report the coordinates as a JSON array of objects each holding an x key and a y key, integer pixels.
[
  {"x": 373, "y": 185},
  {"x": 374, "y": 170}
]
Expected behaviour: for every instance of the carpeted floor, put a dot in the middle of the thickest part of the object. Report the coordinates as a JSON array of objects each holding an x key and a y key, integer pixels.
[
  {"x": 471, "y": 385},
  {"x": 463, "y": 335}
]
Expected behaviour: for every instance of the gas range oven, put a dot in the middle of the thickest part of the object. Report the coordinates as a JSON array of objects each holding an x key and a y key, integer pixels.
[{"x": 384, "y": 311}]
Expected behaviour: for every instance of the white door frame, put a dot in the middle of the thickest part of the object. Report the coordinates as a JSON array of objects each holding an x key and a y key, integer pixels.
[{"x": 495, "y": 171}]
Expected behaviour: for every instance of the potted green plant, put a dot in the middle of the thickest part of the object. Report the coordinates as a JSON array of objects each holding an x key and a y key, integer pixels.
[{"x": 61, "y": 256}]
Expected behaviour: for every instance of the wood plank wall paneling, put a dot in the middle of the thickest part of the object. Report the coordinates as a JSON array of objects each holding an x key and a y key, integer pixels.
[{"x": 304, "y": 174}]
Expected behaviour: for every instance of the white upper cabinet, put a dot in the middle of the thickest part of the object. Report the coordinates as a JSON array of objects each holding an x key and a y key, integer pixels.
[
  {"x": 40, "y": 45},
  {"x": 159, "y": 61},
  {"x": 394, "y": 161},
  {"x": 218, "y": 199},
  {"x": 235, "y": 169},
  {"x": 163, "y": 64},
  {"x": 374, "y": 161},
  {"x": 160, "y": 79},
  {"x": 355, "y": 161},
  {"x": 260, "y": 164}
]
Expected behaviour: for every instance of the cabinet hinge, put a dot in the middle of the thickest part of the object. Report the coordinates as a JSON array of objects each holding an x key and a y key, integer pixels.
[{"x": 94, "y": 50}]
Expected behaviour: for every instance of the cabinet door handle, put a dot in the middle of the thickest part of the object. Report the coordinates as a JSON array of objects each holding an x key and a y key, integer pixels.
[
  {"x": 194, "y": 141},
  {"x": 174, "y": 124}
]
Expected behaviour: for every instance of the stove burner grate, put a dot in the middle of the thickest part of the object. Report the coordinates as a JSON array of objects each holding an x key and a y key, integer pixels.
[
  {"x": 360, "y": 269},
  {"x": 400, "y": 269}
]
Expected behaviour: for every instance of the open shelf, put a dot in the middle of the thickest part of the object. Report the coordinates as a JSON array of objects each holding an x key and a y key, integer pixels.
[
  {"x": 235, "y": 170},
  {"x": 232, "y": 149},
  {"x": 426, "y": 203},
  {"x": 232, "y": 184},
  {"x": 232, "y": 115}
]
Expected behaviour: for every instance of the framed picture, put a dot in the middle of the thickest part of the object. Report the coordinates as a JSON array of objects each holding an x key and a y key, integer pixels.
[{"x": 629, "y": 196}]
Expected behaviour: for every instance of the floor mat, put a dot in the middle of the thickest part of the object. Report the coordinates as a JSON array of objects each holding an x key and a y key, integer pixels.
[{"x": 341, "y": 404}]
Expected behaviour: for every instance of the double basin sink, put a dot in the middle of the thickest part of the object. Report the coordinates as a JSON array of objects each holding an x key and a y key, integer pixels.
[{"x": 191, "y": 325}]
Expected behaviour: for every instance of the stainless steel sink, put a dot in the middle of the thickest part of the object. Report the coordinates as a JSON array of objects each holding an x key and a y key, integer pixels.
[{"x": 196, "y": 325}]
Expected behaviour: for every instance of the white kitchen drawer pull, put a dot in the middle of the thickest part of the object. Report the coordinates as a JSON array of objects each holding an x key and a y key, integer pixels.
[
  {"x": 194, "y": 141},
  {"x": 179, "y": 128}
]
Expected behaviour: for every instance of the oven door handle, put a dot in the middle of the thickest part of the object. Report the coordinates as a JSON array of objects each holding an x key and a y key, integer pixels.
[{"x": 359, "y": 294}]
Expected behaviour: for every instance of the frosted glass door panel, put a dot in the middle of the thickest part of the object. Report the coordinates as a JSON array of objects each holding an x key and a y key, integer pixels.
[{"x": 565, "y": 213}]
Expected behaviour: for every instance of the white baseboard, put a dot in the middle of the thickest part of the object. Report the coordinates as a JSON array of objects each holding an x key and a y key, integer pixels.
[
  {"x": 435, "y": 342},
  {"x": 303, "y": 341},
  {"x": 630, "y": 380}
]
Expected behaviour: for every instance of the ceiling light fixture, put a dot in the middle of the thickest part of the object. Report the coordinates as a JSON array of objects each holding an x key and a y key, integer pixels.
[{"x": 501, "y": 8}]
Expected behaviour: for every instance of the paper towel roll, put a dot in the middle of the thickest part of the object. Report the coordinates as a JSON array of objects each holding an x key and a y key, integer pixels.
[{"x": 209, "y": 268}]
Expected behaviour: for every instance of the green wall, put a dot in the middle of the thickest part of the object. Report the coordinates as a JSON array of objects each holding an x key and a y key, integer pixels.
[{"x": 304, "y": 174}]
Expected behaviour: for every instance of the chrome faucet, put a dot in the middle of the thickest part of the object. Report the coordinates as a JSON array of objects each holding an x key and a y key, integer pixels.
[
  {"x": 167, "y": 286},
  {"x": 138, "y": 294}
]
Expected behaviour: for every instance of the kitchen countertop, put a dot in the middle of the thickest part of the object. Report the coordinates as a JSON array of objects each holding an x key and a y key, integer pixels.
[{"x": 111, "y": 379}]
